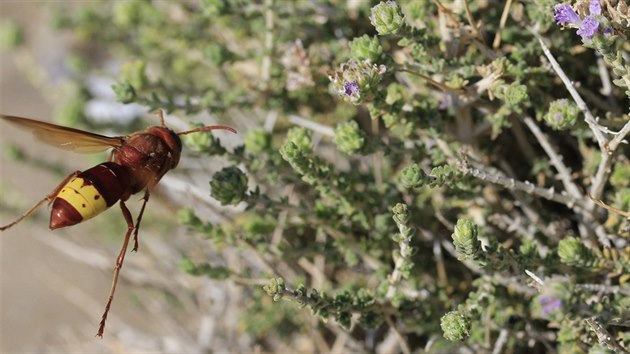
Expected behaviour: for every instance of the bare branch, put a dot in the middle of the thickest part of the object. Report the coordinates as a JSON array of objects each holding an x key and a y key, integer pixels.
[{"x": 556, "y": 160}]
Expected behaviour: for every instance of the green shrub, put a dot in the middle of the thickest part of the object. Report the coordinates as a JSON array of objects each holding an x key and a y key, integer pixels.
[{"x": 410, "y": 170}]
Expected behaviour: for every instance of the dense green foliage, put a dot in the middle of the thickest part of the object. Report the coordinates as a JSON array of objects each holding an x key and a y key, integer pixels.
[{"x": 415, "y": 173}]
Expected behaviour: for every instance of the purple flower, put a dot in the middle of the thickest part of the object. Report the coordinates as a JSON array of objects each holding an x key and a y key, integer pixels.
[
  {"x": 588, "y": 28},
  {"x": 565, "y": 14},
  {"x": 549, "y": 304},
  {"x": 608, "y": 31},
  {"x": 595, "y": 7},
  {"x": 351, "y": 87}
]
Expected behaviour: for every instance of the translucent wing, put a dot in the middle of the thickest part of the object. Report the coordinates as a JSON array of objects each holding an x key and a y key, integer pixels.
[{"x": 66, "y": 138}]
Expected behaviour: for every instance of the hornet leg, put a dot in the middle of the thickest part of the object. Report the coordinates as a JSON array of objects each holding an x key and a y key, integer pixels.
[
  {"x": 49, "y": 198},
  {"x": 117, "y": 267},
  {"x": 135, "y": 233}
]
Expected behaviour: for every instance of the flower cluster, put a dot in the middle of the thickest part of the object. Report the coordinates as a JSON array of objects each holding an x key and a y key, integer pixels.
[
  {"x": 229, "y": 186},
  {"x": 456, "y": 327},
  {"x": 587, "y": 26},
  {"x": 355, "y": 81},
  {"x": 562, "y": 114}
]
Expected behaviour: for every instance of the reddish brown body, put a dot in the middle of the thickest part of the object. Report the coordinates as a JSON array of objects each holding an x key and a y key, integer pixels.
[
  {"x": 148, "y": 156},
  {"x": 137, "y": 163}
]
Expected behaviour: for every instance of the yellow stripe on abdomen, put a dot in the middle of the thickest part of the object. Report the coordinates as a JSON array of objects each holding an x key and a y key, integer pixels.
[{"x": 84, "y": 197}]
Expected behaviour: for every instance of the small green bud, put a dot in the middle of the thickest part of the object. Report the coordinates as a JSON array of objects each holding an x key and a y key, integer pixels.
[
  {"x": 456, "y": 327},
  {"x": 344, "y": 319},
  {"x": 371, "y": 319},
  {"x": 444, "y": 174},
  {"x": 366, "y": 48},
  {"x": 401, "y": 213},
  {"x": 11, "y": 35},
  {"x": 349, "y": 137},
  {"x": 406, "y": 268},
  {"x": 229, "y": 186},
  {"x": 465, "y": 239},
  {"x": 134, "y": 73},
  {"x": 387, "y": 18},
  {"x": 342, "y": 300},
  {"x": 300, "y": 137},
  {"x": 314, "y": 297},
  {"x": 257, "y": 141},
  {"x": 275, "y": 288},
  {"x": 515, "y": 93},
  {"x": 412, "y": 176},
  {"x": 290, "y": 152},
  {"x": 364, "y": 299},
  {"x": 301, "y": 291},
  {"x": 562, "y": 114},
  {"x": 356, "y": 81},
  {"x": 125, "y": 93},
  {"x": 322, "y": 312},
  {"x": 573, "y": 252}
]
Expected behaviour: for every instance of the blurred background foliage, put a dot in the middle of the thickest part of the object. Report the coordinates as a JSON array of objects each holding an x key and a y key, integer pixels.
[{"x": 409, "y": 176}]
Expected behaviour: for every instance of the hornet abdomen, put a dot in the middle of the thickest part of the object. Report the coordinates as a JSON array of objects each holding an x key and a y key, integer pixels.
[{"x": 88, "y": 194}]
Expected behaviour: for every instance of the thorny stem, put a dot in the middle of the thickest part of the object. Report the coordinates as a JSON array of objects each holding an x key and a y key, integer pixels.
[
  {"x": 607, "y": 146},
  {"x": 508, "y": 282},
  {"x": 614, "y": 143},
  {"x": 588, "y": 117},
  {"x": 578, "y": 204},
  {"x": 607, "y": 289},
  {"x": 563, "y": 171},
  {"x": 479, "y": 171}
]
